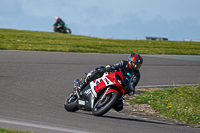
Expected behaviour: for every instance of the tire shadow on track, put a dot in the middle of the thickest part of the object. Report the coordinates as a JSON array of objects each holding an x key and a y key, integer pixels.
[
  {"x": 107, "y": 116},
  {"x": 126, "y": 117}
]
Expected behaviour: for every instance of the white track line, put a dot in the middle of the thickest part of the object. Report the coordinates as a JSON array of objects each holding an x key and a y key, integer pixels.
[{"x": 41, "y": 126}]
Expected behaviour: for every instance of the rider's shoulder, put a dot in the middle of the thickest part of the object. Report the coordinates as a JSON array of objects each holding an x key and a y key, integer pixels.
[{"x": 123, "y": 61}]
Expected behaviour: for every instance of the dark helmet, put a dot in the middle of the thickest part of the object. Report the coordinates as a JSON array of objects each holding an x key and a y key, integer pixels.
[{"x": 135, "y": 61}]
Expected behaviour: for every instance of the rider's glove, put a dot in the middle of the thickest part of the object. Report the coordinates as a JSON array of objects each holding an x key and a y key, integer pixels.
[
  {"x": 109, "y": 68},
  {"x": 100, "y": 67},
  {"x": 57, "y": 26}
]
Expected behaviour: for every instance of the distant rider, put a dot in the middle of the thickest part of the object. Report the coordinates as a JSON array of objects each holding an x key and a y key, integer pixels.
[
  {"x": 59, "y": 24},
  {"x": 132, "y": 66}
]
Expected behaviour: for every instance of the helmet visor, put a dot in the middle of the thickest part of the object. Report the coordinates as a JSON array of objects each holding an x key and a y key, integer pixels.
[{"x": 136, "y": 65}]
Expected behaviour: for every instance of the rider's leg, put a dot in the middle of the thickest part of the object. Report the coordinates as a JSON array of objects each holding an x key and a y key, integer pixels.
[
  {"x": 119, "y": 105},
  {"x": 96, "y": 74}
]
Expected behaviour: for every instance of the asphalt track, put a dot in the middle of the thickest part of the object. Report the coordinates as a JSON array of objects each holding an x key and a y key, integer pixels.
[{"x": 34, "y": 85}]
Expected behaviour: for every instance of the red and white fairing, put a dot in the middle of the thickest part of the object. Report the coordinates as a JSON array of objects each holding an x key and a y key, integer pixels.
[{"x": 100, "y": 83}]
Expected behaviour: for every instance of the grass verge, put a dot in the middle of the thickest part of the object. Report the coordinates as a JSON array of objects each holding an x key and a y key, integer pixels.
[
  {"x": 46, "y": 41},
  {"x": 3, "y": 130},
  {"x": 180, "y": 103}
]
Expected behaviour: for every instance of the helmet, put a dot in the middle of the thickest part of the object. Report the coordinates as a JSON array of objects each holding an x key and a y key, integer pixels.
[
  {"x": 135, "y": 61},
  {"x": 56, "y": 17}
]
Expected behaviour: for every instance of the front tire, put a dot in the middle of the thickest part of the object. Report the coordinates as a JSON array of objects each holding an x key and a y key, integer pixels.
[
  {"x": 68, "y": 31},
  {"x": 102, "y": 107},
  {"x": 70, "y": 103}
]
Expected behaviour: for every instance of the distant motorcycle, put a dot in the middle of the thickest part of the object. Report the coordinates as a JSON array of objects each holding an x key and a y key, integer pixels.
[
  {"x": 63, "y": 29},
  {"x": 100, "y": 95}
]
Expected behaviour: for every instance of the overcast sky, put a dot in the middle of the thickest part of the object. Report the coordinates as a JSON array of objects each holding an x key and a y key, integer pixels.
[{"x": 117, "y": 19}]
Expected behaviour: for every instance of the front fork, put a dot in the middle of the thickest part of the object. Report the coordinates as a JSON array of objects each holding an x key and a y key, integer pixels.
[
  {"x": 109, "y": 90},
  {"x": 77, "y": 88},
  {"x": 104, "y": 95}
]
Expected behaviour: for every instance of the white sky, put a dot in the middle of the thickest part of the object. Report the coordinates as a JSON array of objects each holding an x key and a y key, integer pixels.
[{"x": 118, "y": 19}]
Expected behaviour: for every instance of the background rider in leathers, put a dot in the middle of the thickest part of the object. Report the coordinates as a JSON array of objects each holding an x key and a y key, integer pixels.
[
  {"x": 132, "y": 65},
  {"x": 59, "y": 24}
]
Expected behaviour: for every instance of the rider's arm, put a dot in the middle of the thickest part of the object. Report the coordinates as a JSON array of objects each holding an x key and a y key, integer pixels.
[
  {"x": 118, "y": 65},
  {"x": 61, "y": 22},
  {"x": 135, "y": 78}
]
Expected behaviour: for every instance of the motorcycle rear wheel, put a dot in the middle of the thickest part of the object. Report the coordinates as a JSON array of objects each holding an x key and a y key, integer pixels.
[
  {"x": 102, "y": 107},
  {"x": 70, "y": 103}
]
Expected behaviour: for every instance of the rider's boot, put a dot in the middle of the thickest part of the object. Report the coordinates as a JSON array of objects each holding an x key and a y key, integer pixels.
[{"x": 119, "y": 105}]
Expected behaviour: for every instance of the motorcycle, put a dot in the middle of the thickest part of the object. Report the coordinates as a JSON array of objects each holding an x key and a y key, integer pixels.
[
  {"x": 64, "y": 29},
  {"x": 100, "y": 95}
]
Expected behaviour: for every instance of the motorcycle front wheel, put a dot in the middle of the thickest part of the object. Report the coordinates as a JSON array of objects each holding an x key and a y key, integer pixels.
[
  {"x": 68, "y": 31},
  {"x": 70, "y": 103},
  {"x": 103, "y": 106}
]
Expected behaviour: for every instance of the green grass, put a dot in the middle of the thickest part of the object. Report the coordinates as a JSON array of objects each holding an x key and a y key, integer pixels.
[
  {"x": 3, "y": 130},
  {"x": 181, "y": 103},
  {"x": 46, "y": 41}
]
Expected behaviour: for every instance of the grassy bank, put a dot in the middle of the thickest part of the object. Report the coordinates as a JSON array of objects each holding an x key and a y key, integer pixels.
[
  {"x": 46, "y": 41},
  {"x": 3, "y": 130},
  {"x": 180, "y": 103}
]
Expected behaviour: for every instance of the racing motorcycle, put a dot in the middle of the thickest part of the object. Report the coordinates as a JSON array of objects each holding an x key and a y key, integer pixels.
[
  {"x": 64, "y": 29},
  {"x": 101, "y": 94}
]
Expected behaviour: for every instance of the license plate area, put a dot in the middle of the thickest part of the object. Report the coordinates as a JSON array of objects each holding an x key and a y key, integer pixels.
[{"x": 81, "y": 102}]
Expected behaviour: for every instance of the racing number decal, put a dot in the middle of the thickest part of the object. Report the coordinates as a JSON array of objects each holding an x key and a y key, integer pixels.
[
  {"x": 107, "y": 81},
  {"x": 104, "y": 81}
]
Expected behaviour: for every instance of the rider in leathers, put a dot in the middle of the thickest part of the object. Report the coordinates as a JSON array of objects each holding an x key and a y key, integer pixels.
[
  {"x": 132, "y": 66},
  {"x": 59, "y": 23}
]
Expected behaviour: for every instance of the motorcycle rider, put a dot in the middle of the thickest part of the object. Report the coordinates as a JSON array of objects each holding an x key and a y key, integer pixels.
[
  {"x": 59, "y": 24},
  {"x": 131, "y": 66}
]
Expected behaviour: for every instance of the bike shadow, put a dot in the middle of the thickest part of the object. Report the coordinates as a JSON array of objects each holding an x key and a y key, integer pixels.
[
  {"x": 138, "y": 119},
  {"x": 125, "y": 117}
]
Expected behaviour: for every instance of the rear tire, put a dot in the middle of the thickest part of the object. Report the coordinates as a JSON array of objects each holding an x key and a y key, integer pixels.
[
  {"x": 102, "y": 107},
  {"x": 70, "y": 103}
]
